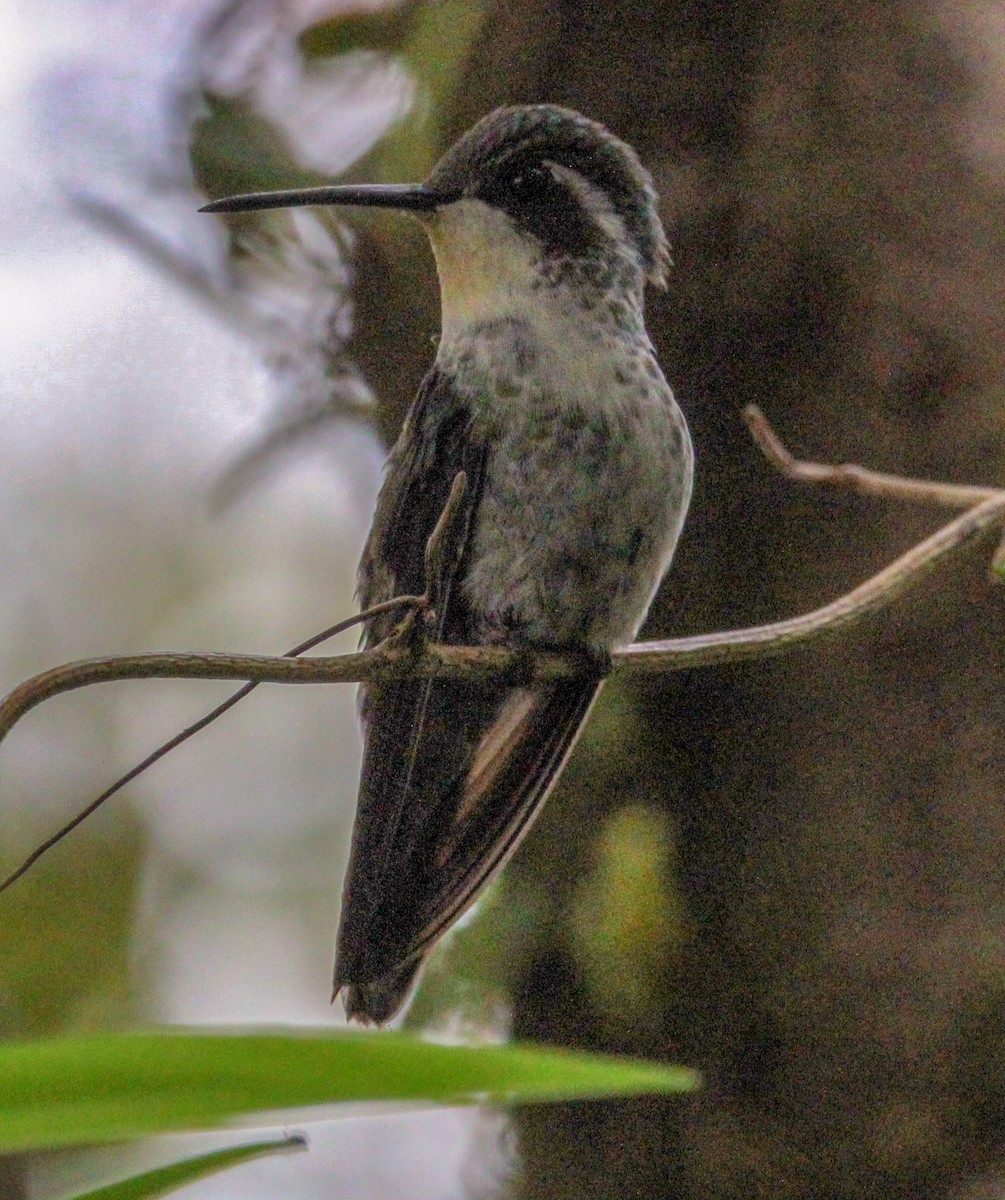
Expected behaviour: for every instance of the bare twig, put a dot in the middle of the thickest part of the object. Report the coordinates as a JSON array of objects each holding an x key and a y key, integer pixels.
[
  {"x": 393, "y": 661},
  {"x": 413, "y": 602},
  {"x": 764, "y": 641},
  {"x": 398, "y": 658},
  {"x": 446, "y": 538},
  {"x": 852, "y": 477}
]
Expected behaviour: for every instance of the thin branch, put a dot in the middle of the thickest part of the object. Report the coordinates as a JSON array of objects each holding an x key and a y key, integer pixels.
[
  {"x": 851, "y": 476},
  {"x": 765, "y": 641},
  {"x": 446, "y": 540},
  {"x": 412, "y": 602},
  {"x": 398, "y": 657},
  {"x": 393, "y": 660}
]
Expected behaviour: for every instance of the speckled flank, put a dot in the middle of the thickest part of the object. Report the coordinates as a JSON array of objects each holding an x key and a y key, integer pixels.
[{"x": 589, "y": 474}]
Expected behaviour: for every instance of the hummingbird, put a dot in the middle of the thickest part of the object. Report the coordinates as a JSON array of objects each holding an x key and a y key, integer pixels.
[{"x": 547, "y": 403}]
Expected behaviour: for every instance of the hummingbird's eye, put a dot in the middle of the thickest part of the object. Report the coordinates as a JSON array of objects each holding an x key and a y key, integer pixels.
[
  {"x": 542, "y": 205},
  {"x": 527, "y": 187},
  {"x": 531, "y": 183}
]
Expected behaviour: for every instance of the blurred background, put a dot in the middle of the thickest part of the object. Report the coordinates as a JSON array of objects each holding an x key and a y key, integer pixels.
[{"x": 787, "y": 874}]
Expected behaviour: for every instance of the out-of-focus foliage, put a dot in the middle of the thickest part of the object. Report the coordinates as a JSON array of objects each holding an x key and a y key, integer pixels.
[
  {"x": 106, "y": 1087},
  {"x": 234, "y": 149},
  {"x": 55, "y": 970},
  {"x": 434, "y": 41},
  {"x": 626, "y": 926},
  {"x": 465, "y": 988}
]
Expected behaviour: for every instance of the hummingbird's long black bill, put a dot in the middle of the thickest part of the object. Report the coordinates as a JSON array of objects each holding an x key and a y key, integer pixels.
[{"x": 412, "y": 196}]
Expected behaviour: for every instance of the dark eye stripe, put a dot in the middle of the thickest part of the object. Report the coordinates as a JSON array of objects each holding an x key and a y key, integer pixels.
[
  {"x": 525, "y": 135},
  {"x": 544, "y": 207}
]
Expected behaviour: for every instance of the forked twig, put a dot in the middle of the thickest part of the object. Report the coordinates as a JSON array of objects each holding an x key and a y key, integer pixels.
[
  {"x": 852, "y": 477},
  {"x": 859, "y": 479},
  {"x": 190, "y": 730},
  {"x": 398, "y": 658}
]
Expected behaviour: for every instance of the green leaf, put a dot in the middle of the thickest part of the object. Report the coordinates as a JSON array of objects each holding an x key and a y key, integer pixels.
[
  {"x": 381, "y": 31},
  {"x": 106, "y": 1087},
  {"x": 162, "y": 1180},
  {"x": 50, "y": 980},
  {"x": 627, "y": 923}
]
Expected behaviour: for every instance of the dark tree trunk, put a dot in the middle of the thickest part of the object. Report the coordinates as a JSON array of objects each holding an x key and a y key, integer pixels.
[{"x": 839, "y": 256}]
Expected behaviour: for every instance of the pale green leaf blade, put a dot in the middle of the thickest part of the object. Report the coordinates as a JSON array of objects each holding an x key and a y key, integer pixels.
[
  {"x": 108, "y": 1087},
  {"x": 162, "y": 1180}
]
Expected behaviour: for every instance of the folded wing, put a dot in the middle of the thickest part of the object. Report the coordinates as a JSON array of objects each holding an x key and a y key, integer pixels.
[{"x": 453, "y": 773}]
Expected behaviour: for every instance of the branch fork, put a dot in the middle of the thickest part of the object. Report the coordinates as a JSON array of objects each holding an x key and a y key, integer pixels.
[{"x": 409, "y": 653}]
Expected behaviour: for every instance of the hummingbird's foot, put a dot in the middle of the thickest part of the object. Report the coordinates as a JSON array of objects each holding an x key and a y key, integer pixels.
[
  {"x": 411, "y": 633},
  {"x": 597, "y": 660},
  {"x": 590, "y": 661}
]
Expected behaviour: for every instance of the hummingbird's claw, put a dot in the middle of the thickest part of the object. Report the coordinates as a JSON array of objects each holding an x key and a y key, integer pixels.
[
  {"x": 446, "y": 544},
  {"x": 597, "y": 660},
  {"x": 412, "y": 631}
]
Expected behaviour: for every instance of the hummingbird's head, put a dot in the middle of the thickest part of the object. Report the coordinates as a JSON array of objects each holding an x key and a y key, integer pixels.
[
  {"x": 565, "y": 185},
  {"x": 531, "y": 198}
]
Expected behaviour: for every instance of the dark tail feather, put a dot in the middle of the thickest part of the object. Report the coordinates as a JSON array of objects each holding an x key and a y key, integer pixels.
[{"x": 376, "y": 1001}]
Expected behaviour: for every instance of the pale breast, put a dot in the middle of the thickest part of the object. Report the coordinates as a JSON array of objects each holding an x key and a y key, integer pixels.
[{"x": 584, "y": 495}]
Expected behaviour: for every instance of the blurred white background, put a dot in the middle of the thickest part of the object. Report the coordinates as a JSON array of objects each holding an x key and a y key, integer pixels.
[{"x": 125, "y": 395}]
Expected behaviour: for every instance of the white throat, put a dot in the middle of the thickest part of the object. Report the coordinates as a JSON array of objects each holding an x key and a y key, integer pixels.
[{"x": 487, "y": 270}]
